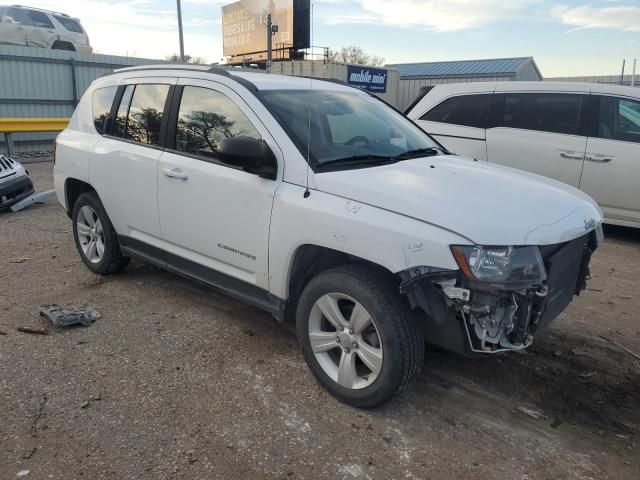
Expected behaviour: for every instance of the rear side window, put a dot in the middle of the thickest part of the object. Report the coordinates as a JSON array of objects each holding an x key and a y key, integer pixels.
[
  {"x": 466, "y": 110},
  {"x": 140, "y": 113},
  {"x": 101, "y": 105},
  {"x": 69, "y": 24},
  {"x": 205, "y": 118},
  {"x": 39, "y": 19},
  {"x": 619, "y": 119},
  {"x": 544, "y": 112}
]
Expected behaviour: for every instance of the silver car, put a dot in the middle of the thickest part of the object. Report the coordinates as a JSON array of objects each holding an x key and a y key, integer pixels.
[{"x": 33, "y": 27}]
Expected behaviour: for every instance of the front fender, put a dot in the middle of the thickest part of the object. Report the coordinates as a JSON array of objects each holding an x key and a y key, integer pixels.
[{"x": 393, "y": 241}]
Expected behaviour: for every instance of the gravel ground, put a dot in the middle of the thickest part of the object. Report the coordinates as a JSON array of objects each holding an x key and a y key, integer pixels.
[{"x": 176, "y": 381}]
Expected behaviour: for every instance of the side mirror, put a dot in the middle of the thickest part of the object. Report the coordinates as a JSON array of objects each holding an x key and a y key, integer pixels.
[{"x": 251, "y": 154}]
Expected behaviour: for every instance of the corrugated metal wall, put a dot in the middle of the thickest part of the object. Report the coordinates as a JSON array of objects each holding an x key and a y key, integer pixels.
[
  {"x": 320, "y": 69},
  {"x": 527, "y": 72},
  {"x": 612, "y": 79},
  {"x": 35, "y": 82},
  {"x": 410, "y": 88}
]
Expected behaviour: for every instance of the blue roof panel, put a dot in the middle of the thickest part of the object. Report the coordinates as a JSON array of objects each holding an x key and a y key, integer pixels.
[{"x": 469, "y": 68}]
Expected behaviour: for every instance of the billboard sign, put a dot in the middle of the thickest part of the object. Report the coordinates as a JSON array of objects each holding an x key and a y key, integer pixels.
[
  {"x": 366, "y": 78},
  {"x": 244, "y": 26}
]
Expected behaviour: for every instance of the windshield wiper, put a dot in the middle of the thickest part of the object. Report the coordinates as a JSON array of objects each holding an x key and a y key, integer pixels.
[
  {"x": 362, "y": 160},
  {"x": 418, "y": 152}
]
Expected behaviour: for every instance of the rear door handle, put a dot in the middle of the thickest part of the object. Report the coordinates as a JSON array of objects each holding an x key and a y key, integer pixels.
[
  {"x": 572, "y": 155},
  {"x": 599, "y": 158},
  {"x": 175, "y": 173}
]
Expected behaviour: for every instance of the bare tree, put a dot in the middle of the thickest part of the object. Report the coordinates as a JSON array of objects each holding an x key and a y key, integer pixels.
[
  {"x": 187, "y": 58},
  {"x": 355, "y": 54}
]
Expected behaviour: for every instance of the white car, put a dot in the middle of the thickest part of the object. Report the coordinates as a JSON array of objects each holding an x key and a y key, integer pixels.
[
  {"x": 317, "y": 201},
  {"x": 15, "y": 183},
  {"x": 583, "y": 134},
  {"x": 33, "y": 27}
]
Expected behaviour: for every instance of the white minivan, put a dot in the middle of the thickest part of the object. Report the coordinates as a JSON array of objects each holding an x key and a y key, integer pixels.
[
  {"x": 585, "y": 135},
  {"x": 318, "y": 202}
]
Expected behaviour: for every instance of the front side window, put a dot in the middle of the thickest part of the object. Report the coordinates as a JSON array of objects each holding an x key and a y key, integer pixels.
[
  {"x": 466, "y": 110},
  {"x": 619, "y": 119},
  {"x": 205, "y": 118},
  {"x": 544, "y": 112},
  {"x": 145, "y": 114},
  {"x": 39, "y": 19},
  {"x": 101, "y": 105},
  {"x": 338, "y": 127},
  {"x": 69, "y": 24}
]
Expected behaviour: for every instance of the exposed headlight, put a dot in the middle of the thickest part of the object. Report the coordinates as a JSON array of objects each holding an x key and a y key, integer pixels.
[{"x": 500, "y": 264}]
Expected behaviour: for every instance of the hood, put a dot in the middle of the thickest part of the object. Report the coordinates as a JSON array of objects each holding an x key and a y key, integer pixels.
[{"x": 488, "y": 204}]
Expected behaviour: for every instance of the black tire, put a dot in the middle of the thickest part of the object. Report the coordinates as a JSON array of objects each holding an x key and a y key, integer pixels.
[
  {"x": 112, "y": 260},
  {"x": 401, "y": 336}
]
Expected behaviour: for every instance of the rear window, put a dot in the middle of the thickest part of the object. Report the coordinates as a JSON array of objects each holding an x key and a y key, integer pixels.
[
  {"x": 69, "y": 24},
  {"x": 465, "y": 110},
  {"x": 101, "y": 105}
]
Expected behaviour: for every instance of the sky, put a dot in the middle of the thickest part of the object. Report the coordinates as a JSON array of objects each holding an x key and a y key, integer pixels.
[{"x": 566, "y": 38}]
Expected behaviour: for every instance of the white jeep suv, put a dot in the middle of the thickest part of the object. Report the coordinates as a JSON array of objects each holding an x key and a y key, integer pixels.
[
  {"x": 34, "y": 27},
  {"x": 317, "y": 201}
]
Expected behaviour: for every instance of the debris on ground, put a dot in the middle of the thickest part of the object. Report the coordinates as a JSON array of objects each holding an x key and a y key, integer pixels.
[
  {"x": 23, "y": 473},
  {"x": 92, "y": 399},
  {"x": 587, "y": 375},
  {"x": 29, "y": 453},
  {"x": 19, "y": 260},
  {"x": 531, "y": 413},
  {"x": 2, "y": 332},
  {"x": 85, "y": 314},
  {"x": 36, "y": 330},
  {"x": 622, "y": 347}
]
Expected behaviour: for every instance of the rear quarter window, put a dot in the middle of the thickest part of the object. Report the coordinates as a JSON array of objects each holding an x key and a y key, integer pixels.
[
  {"x": 465, "y": 110},
  {"x": 101, "y": 103},
  {"x": 69, "y": 24}
]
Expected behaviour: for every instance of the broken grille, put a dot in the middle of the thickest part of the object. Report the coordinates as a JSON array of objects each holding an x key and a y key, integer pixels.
[{"x": 7, "y": 166}]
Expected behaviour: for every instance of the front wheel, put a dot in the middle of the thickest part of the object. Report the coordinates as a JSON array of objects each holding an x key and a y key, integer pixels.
[{"x": 358, "y": 335}]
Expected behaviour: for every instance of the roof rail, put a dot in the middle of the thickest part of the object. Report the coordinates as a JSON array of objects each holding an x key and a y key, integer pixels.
[{"x": 42, "y": 10}]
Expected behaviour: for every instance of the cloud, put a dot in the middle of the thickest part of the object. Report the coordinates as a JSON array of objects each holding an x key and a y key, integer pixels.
[
  {"x": 434, "y": 15},
  {"x": 619, "y": 17},
  {"x": 138, "y": 28}
]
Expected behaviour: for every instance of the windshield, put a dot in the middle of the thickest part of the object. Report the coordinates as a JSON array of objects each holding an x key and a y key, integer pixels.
[{"x": 346, "y": 126}]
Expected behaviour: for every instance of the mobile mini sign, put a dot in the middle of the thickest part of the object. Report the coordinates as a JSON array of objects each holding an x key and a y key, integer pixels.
[{"x": 370, "y": 79}]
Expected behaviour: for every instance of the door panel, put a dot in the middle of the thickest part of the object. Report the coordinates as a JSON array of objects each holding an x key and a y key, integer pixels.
[
  {"x": 612, "y": 168},
  {"x": 15, "y": 33},
  {"x": 42, "y": 32},
  {"x": 211, "y": 213},
  {"x": 538, "y": 132},
  {"x": 124, "y": 165},
  {"x": 553, "y": 155}
]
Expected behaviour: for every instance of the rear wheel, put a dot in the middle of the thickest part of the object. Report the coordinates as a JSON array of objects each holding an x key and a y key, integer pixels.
[
  {"x": 95, "y": 237},
  {"x": 358, "y": 335}
]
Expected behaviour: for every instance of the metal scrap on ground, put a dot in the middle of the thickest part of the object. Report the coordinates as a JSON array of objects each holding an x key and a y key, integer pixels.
[{"x": 85, "y": 314}]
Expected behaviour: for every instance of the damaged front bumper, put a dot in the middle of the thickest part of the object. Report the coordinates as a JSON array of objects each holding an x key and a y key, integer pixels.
[{"x": 473, "y": 317}]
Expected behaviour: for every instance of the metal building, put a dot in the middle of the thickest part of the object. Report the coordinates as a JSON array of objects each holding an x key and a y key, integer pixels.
[
  {"x": 628, "y": 80},
  {"x": 413, "y": 76}
]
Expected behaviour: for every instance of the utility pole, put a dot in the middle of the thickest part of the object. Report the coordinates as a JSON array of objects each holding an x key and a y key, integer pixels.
[
  {"x": 622, "y": 74},
  {"x": 180, "y": 31},
  {"x": 271, "y": 31},
  {"x": 633, "y": 75}
]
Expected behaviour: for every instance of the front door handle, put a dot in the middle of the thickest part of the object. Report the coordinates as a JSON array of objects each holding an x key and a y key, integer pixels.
[
  {"x": 572, "y": 156},
  {"x": 599, "y": 158},
  {"x": 175, "y": 173}
]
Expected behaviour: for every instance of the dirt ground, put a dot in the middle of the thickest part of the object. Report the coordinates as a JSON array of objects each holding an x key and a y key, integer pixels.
[{"x": 176, "y": 381}]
